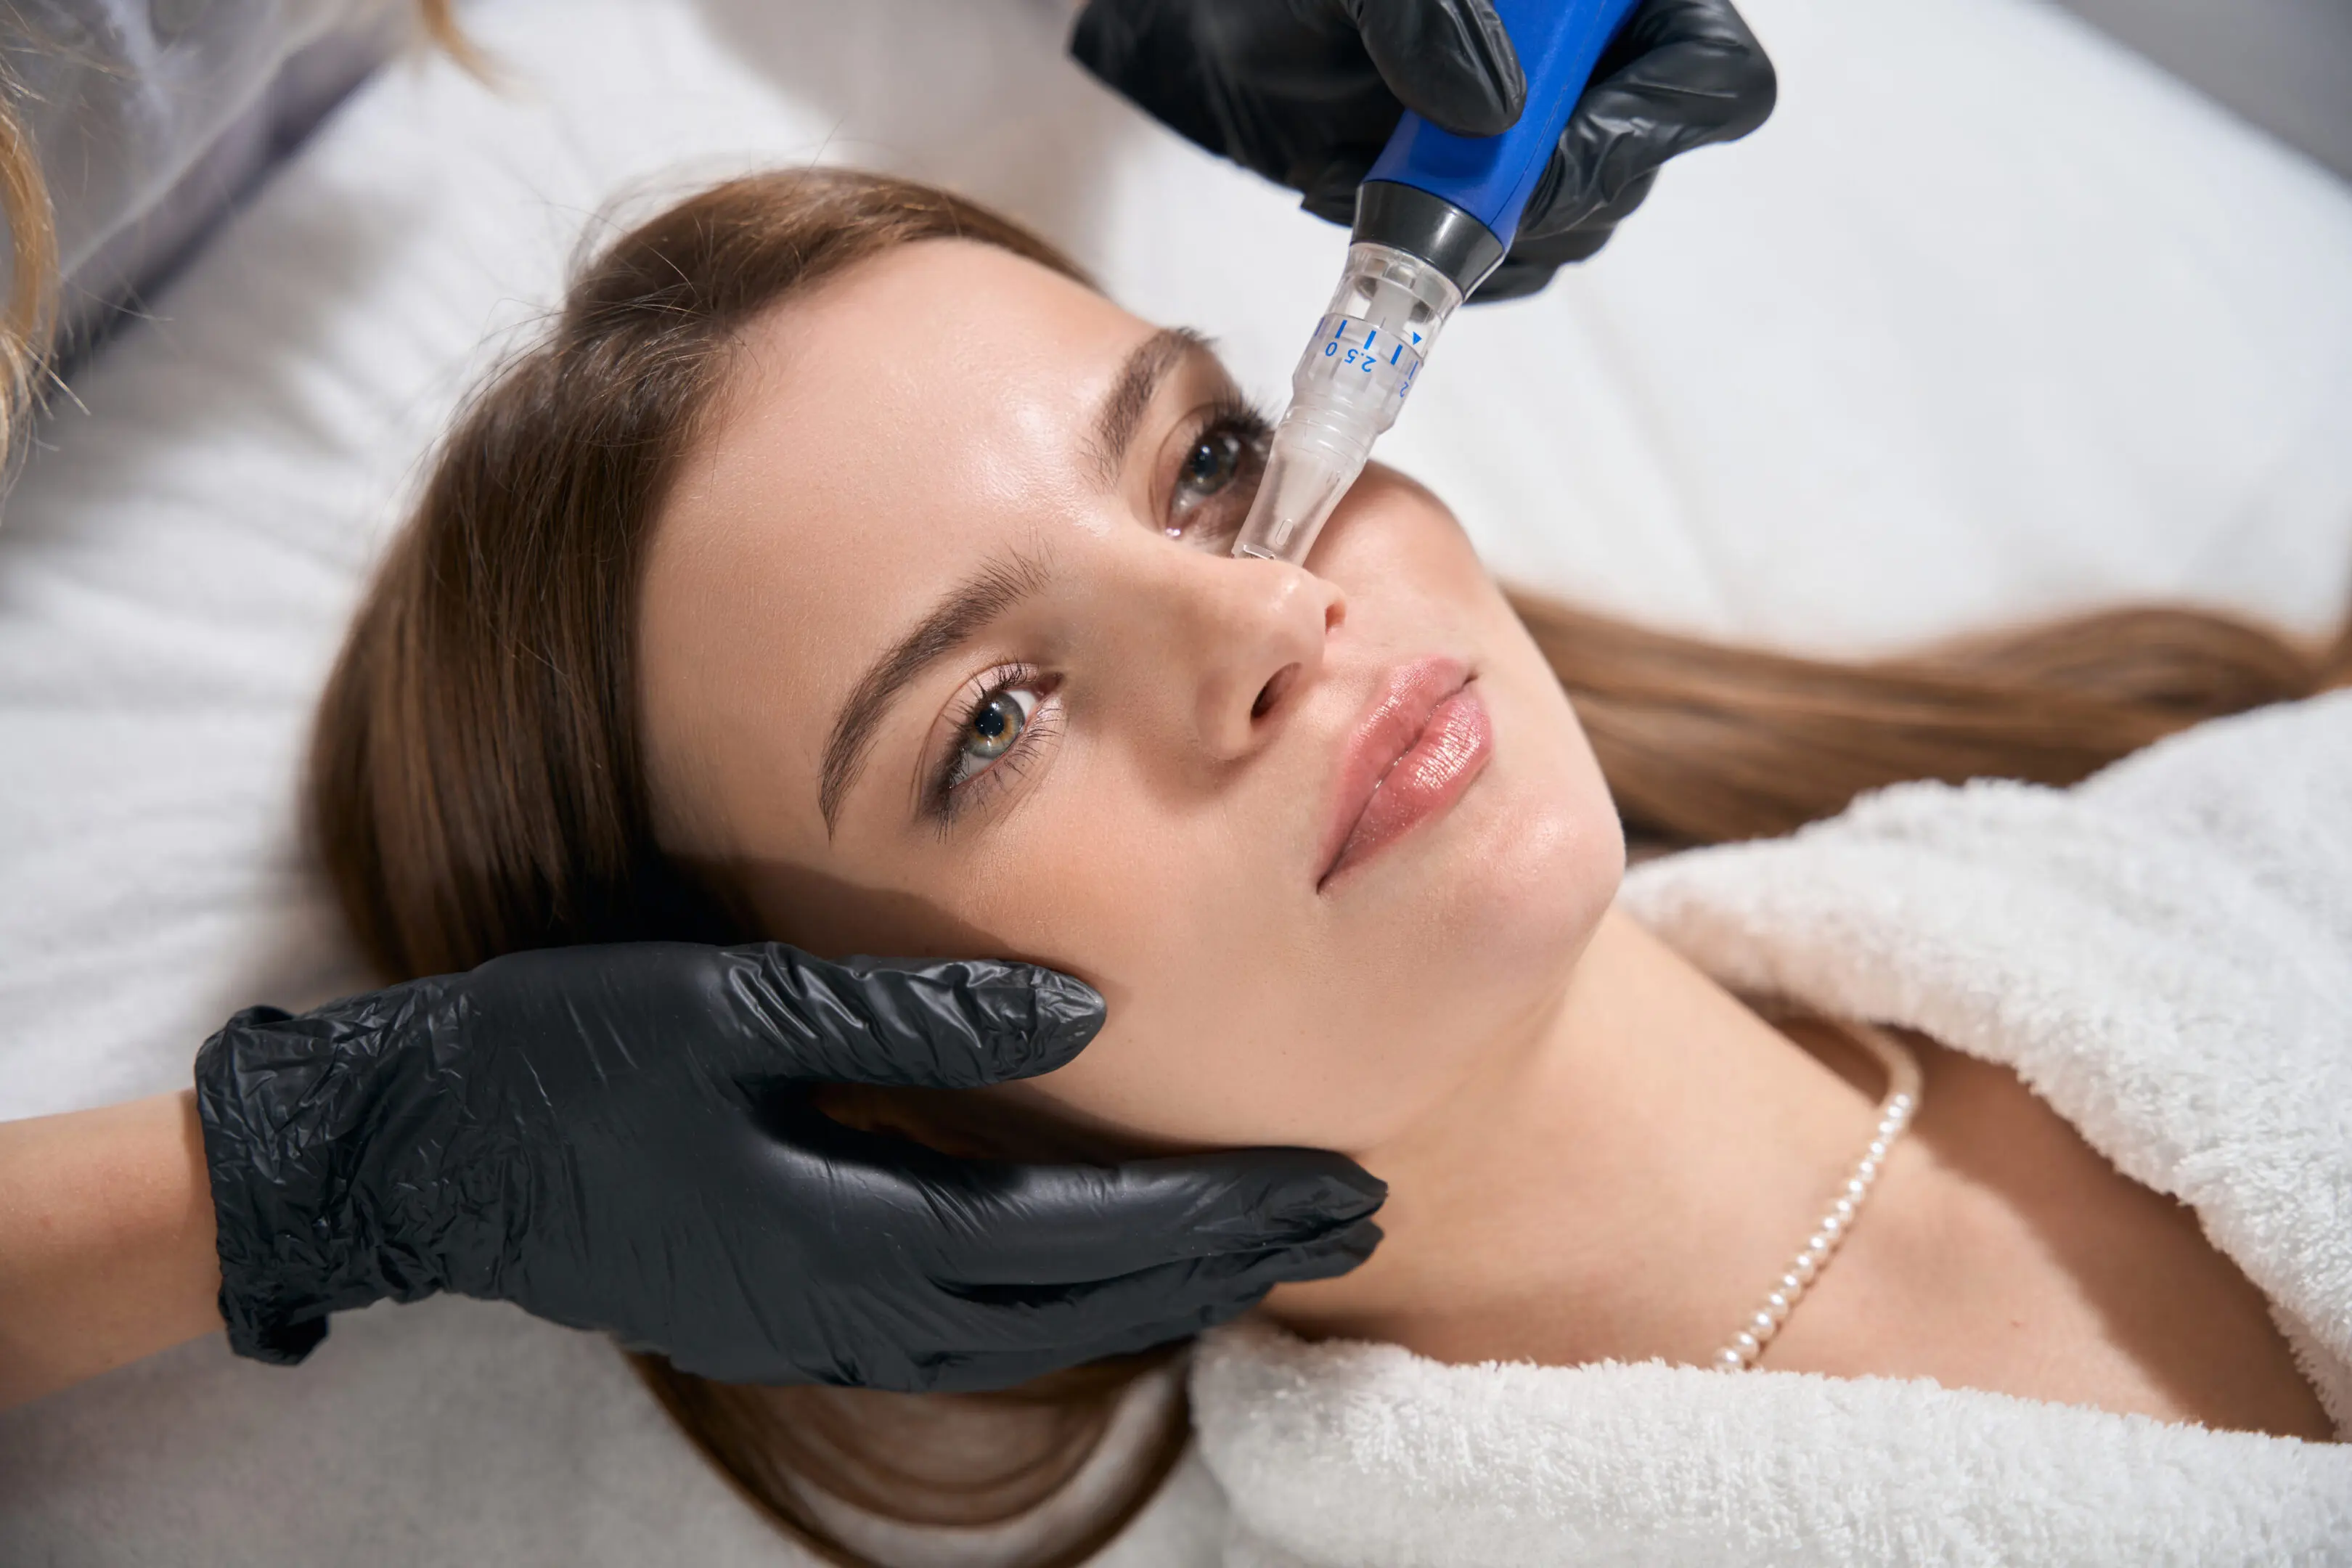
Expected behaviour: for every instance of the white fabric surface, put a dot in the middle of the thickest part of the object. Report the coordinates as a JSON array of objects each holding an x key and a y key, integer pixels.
[
  {"x": 2165, "y": 955},
  {"x": 122, "y": 97},
  {"x": 1896, "y": 365}
]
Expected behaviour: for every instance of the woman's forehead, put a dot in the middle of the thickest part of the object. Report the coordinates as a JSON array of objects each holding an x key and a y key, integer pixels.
[{"x": 940, "y": 390}]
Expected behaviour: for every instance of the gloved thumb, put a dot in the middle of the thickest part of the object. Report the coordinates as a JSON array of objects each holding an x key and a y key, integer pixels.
[
  {"x": 935, "y": 1023},
  {"x": 1449, "y": 61}
]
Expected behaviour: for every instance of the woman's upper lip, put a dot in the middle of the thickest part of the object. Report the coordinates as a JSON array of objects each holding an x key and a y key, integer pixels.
[{"x": 1398, "y": 714}]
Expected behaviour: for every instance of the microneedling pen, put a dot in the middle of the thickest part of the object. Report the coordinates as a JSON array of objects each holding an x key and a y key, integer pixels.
[{"x": 1435, "y": 217}]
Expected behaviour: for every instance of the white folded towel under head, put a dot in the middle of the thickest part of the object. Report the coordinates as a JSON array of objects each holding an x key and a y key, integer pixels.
[{"x": 2163, "y": 953}]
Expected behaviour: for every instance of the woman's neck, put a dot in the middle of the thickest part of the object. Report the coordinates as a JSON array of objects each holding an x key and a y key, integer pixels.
[
  {"x": 1632, "y": 1183},
  {"x": 1627, "y": 1187}
]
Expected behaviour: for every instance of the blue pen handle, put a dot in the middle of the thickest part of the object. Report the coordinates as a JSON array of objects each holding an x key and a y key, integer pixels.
[
  {"x": 1435, "y": 215},
  {"x": 1489, "y": 179}
]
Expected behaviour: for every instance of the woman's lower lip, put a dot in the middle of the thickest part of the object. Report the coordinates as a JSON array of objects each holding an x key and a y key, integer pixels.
[{"x": 1453, "y": 747}]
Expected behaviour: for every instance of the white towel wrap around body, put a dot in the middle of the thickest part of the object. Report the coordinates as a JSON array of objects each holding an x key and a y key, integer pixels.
[{"x": 2164, "y": 954}]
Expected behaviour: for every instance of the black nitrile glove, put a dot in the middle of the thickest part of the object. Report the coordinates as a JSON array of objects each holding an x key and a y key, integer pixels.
[
  {"x": 1305, "y": 92},
  {"x": 622, "y": 1138}
]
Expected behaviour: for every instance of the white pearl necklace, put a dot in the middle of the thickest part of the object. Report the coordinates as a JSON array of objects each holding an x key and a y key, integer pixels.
[{"x": 1894, "y": 1113}]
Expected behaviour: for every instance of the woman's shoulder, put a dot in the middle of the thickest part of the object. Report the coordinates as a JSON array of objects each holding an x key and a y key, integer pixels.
[{"x": 2163, "y": 952}]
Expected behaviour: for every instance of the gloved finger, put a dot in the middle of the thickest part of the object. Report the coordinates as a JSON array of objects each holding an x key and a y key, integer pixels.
[
  {"x": 1518, "y": 279},
  {"x": 1024, "y": 1225},
  {"x": 985, "y": 1223},
  {"x": 1033, "y": 1331},
  {"x": 1449, "y": 61},
  {"x": 1681, "y": 74},
  {"x": 947, "y": 1024},
  {"x": 982, "y": 1372},
  {"x": 1513, "y": 280},
  {"x": 1535, "y": 257},
  {"x": 1331, "y": 194}
]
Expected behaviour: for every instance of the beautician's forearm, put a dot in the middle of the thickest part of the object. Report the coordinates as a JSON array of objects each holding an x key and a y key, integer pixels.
[{"x": 106, "y": 1241}]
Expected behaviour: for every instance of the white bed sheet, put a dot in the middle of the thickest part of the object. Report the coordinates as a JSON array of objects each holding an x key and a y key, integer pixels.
[{"x": 1991, "y": 320}]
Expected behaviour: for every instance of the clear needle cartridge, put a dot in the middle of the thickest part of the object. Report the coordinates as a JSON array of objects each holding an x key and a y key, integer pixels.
[{"x": 1435, "y": 217}]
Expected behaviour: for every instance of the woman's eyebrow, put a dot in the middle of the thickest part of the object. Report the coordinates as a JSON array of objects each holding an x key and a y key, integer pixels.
[
  {"x": 1123, "y": 408},
  {"x": 967, "y": 609},
  {"x": 963, "y": 613}
]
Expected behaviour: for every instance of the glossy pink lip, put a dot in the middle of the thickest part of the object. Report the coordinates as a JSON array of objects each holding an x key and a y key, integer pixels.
[{"x": 1426, "y": 737}]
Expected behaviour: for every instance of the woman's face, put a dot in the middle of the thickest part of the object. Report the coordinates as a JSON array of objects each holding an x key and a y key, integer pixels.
[{"x": 942, "y": 653}]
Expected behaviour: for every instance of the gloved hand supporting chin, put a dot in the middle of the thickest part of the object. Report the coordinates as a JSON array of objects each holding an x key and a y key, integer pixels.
[
  {"x": 622, "y": 1139},
  {"x": 1306, "y": 94}
]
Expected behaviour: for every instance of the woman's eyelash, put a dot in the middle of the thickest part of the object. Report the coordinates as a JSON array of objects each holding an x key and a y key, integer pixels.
[
  {"x": 953, "y": 792},
  {"x": 1245, "y": 419}
]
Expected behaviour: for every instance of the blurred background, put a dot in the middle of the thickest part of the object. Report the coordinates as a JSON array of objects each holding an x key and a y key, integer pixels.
[{"x": 2285, "y": 64}]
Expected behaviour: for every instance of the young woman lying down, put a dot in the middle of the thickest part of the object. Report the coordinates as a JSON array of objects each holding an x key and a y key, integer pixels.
[{"x": 844, "y": 569}]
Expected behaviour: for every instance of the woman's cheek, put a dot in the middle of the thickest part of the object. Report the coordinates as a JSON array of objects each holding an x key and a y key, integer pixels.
[
  {"x": 1175, "y": 1083},
  {"x": 1216, "y": 1035}
]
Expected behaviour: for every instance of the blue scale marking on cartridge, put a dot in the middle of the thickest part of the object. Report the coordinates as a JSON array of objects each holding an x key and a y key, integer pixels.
[
  {"x": 1344, "y": 355},
  {"x": 1340, "y": 336}
]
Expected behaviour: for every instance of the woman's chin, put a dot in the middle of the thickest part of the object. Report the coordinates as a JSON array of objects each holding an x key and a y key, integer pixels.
[
  {"x": 1500, "y": 896},
  {"x": 1543, "y": 881}
]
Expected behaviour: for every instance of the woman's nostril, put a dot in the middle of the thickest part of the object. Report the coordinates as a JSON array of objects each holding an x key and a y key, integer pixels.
[{"x": 1271, "y": 692}]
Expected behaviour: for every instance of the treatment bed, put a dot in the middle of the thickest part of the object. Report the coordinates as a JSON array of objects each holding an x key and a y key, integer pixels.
[{"x": 1992, "y": 320}]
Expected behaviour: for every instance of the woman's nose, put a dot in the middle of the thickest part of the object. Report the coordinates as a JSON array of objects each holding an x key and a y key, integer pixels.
[{"x": 1255, "y": 633}]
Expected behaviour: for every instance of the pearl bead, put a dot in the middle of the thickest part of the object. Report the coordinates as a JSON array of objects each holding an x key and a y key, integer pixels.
[{"x": 1894, "y": 1116}]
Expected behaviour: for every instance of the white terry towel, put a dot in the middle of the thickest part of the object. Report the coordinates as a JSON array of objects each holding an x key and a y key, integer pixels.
[{"x": 2165, "y": 955}]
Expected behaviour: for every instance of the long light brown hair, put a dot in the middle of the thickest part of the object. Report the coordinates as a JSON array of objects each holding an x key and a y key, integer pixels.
[
  {"x": 479, "y": 786},
  {"x": 28, "y": 315}
]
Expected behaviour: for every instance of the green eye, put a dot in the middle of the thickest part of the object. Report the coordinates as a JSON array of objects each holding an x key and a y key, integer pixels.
[
  {"x": 1216, "y": 478},
  {"x": 993, "y": 729},
  {"x": 1212, "y": 464}
]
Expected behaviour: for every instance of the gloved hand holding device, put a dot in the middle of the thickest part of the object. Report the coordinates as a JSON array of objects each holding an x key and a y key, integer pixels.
[
  {"x": 622, "y": 1138},
  {"x": 1306, "y": 94}
]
